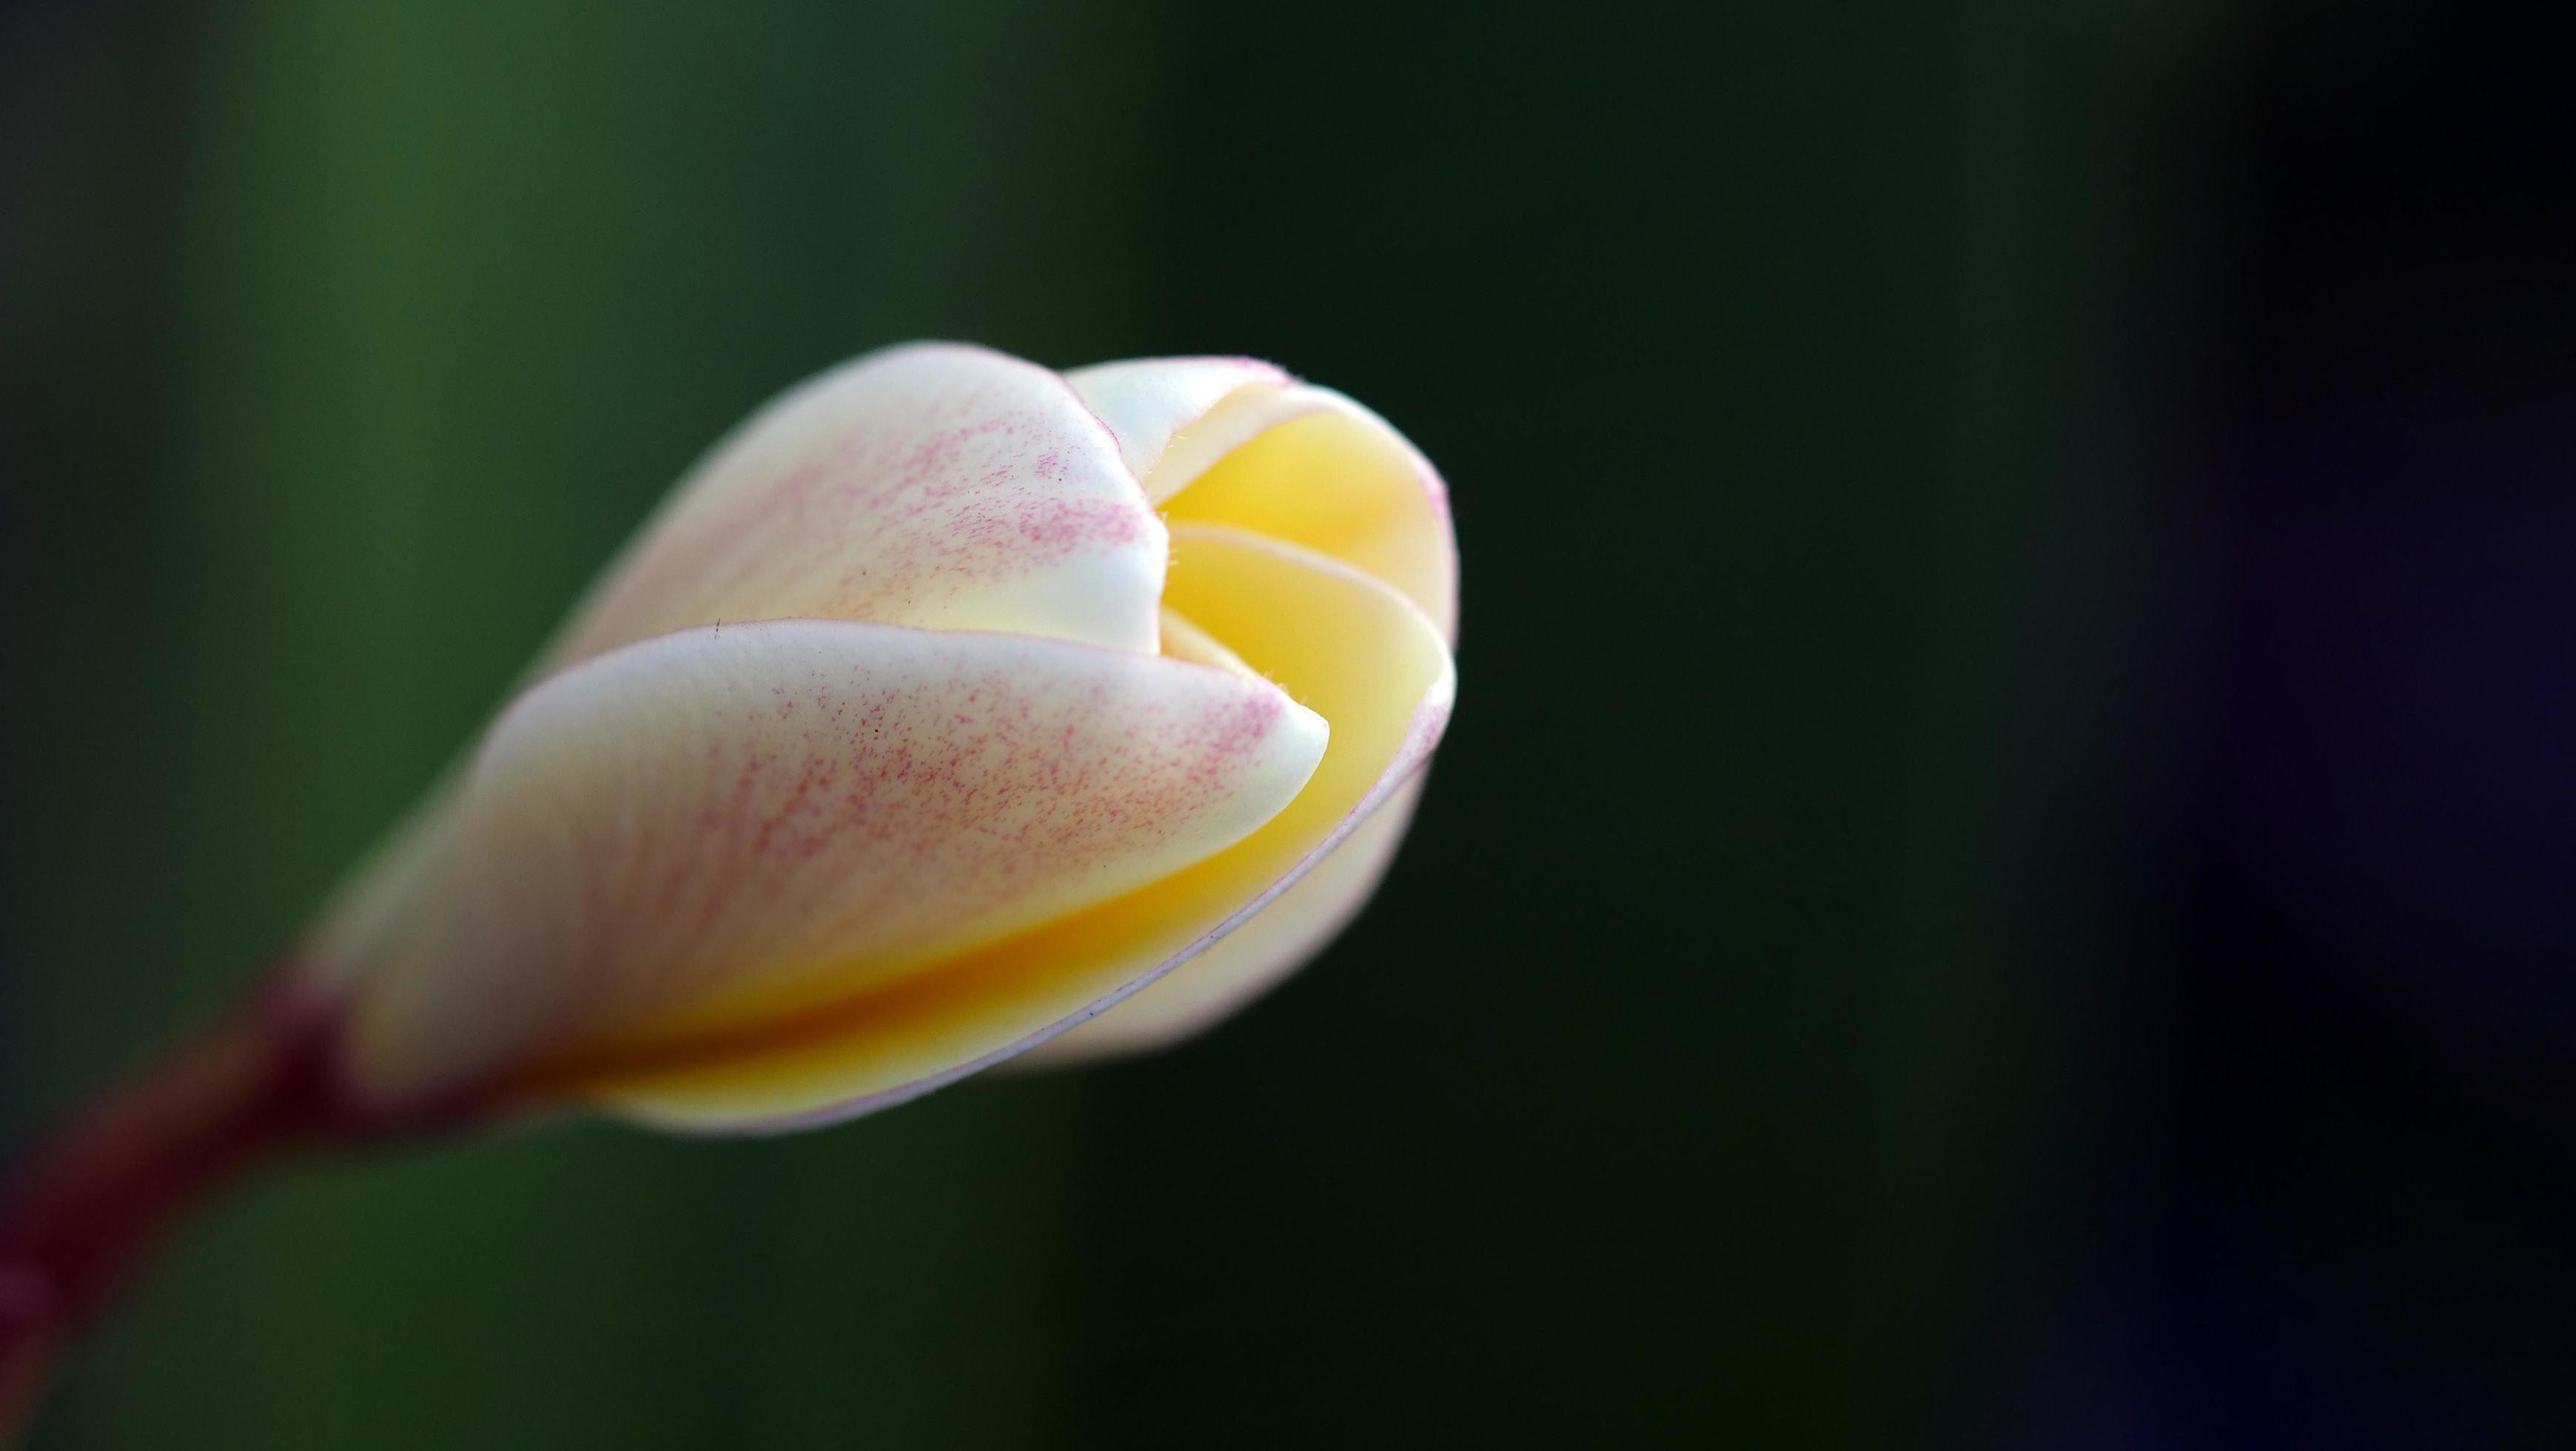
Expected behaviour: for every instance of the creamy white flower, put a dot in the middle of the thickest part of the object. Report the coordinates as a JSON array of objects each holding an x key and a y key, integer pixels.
[{"x": 950, "y": 708}]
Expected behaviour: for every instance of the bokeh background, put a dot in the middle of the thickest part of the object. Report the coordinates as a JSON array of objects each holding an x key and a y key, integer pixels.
[{"x": 2003, "y": 877}]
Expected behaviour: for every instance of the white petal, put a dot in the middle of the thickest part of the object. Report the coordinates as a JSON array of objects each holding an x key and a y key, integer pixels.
[
  {"x": 724, "y": 826},
  {"x": 937, "y": 485},
  {"x": 1347, "y": 646},
  {"x": 1145, "y": 401}
]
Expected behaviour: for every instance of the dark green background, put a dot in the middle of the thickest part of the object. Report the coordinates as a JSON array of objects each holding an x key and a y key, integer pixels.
[{"x": 1687, "y": 1084}]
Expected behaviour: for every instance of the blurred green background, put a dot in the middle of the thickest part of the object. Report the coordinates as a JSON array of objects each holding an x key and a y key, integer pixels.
[
  {"x": 350, "y": 338},
  {"x": 1707, "y": 1073}
]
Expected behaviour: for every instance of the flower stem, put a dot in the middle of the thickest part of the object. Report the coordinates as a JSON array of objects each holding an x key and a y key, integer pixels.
[{"x": 80, "y": 1215}]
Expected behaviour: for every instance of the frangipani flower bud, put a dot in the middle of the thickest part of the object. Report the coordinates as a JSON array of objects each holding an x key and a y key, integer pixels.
[{"x": 951, "y": 707}]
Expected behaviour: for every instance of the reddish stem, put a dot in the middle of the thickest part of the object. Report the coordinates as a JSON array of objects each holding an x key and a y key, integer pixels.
[{"x": 83, "y": 1212}]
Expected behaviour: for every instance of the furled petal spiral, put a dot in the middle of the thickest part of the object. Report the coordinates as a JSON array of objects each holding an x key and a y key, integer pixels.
[{"x": 1235, "y": 442}]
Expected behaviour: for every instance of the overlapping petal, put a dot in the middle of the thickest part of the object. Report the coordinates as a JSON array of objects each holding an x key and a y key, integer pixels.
[
  {"x": 1250, "y": 960},
  {"x": 1357, "y": 652},
  {"x": 1233, "y": 442},
  {"x": 712, "y": 829},
  {"x": 937, "y": 485},
  {"x": 1154, "y": 405}
]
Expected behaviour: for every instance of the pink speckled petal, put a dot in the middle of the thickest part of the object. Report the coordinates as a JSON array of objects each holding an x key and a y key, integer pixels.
[
  {"x": 710, "y": 829},
  {"x": 1347, "y": 646},
  {"x": 937, "y": 485}
]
